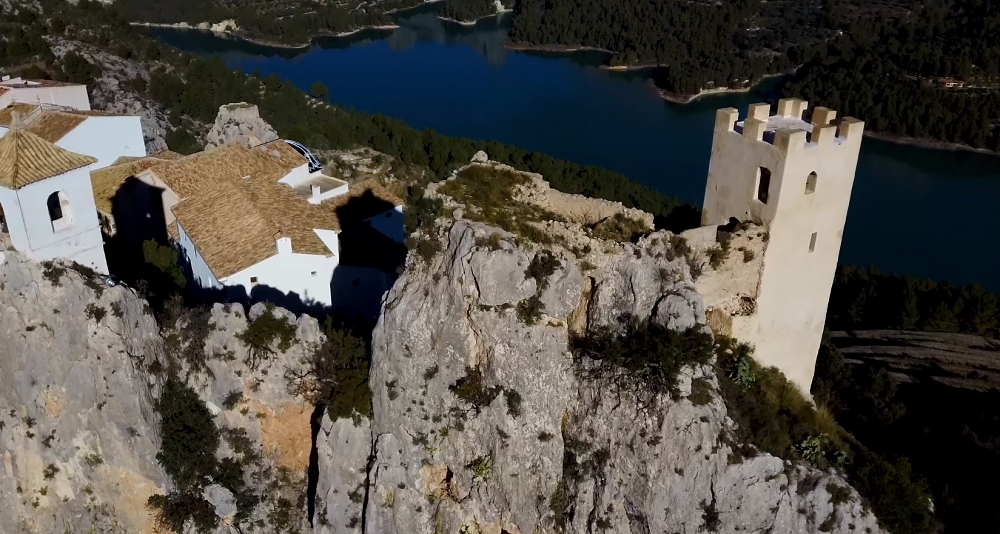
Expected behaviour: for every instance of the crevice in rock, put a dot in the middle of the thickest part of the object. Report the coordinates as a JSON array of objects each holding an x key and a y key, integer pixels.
[
  {"x": 312, "y": 475},
  {"x": 368, "y": 483}
]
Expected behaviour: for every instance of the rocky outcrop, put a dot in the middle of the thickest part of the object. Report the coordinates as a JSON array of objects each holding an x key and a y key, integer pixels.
[
  {"x": 482, "y": 420},
  {"x": 540, "y": 448},
  {"x": 239, "y": 123},
  {"x": 115, "y": 91},
  {"x": 80, "y": 373},
  {"x": 78, "y": 434}
]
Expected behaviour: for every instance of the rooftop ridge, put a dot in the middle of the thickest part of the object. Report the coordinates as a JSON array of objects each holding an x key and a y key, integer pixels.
[{"x": 26, "y": 158}]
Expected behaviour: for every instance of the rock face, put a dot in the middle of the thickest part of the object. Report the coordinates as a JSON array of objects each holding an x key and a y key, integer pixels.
[
  {"x": 78, "y": 427},
  {"x": 546, "y": 450},
  {"x": 78, "y": 436},
  {"x": 239, "y": 123},
  {"x": 482, "y": 422}
]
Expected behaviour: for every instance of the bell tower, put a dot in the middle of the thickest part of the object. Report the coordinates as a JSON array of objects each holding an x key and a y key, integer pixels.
[{"x": 794, "y": 177}]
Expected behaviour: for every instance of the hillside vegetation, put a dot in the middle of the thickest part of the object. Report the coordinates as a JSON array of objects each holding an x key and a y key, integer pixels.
[{"x": 288, "y": 22}]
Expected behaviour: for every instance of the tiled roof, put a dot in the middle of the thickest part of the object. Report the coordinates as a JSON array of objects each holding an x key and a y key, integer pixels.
[
  {"x": 107, "y": 180},
  {"x": 7, "y": 113},
  {"x": 54, "y": 125},
  {"x": 234, "y": 209},
  {"x": 26, "y": 158}
]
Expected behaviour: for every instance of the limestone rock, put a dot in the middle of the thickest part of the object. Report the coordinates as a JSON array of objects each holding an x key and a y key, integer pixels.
[
  {"x": 221, "y": 499},
  {"x": 496, "y": 461},
  {"x": 342, "y": 449},
  {"x": 76, "y": 406},
  {"x": 78, "y": 428},
  {"x": 239, "y": 123}
]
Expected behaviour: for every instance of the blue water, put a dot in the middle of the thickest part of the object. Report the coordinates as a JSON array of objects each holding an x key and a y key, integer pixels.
[{"x": 914, "y": 211}]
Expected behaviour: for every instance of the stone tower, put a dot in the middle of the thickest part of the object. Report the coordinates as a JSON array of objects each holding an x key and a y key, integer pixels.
[
  {"x": 47, "y": 207},
  {"x": 794, "y": 178}
]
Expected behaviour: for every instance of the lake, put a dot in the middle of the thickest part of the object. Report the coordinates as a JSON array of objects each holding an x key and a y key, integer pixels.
[{"x": 914, "y": 211}]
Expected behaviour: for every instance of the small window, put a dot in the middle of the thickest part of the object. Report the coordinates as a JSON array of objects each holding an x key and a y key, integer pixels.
[
  {"x": 812, "y": 242},
  {"x": 811, "y": 183},
  {"x": 763, "y": 184},
  {"x": 313, "y": 273},
  {"x": 253, "y": 281},
  {"x": 59, "y": 211}
]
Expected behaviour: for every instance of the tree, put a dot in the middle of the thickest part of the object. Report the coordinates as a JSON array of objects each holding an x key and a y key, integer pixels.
[
  {"x": 164, "y": 258},
  {"x": 318, "y": 90}
]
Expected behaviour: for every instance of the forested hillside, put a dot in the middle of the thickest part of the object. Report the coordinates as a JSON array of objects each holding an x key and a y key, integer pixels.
[
  {"x": 271, "y": 21},
  {"x": 889, "y": 72},
  {"x": 916, "y": 374},
  {"x": 699, "y": 43}
]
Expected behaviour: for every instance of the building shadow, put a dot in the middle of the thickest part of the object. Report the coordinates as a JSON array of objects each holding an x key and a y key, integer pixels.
[
  {"x": 137, "y": 211},
  {"x": 372, "y": 255}
]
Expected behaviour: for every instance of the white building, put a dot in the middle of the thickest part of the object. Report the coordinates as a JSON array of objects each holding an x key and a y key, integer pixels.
[
  {"x": 103, "y": 136},
  {"x": 255, "y": 223},
  {"x": 72, "y": 95},
  {"x": 47, "y": 206},
  {"x": 795, "y": 178}
]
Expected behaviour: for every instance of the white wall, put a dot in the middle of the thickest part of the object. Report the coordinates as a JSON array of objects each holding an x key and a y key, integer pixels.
[
  {"x": 200, "y": 272},
  {"x": 31, "y": 230},
  {"x": 306, "y": 275},
  {"x": 296, "y": 175},
  {"x": 787, "y": 327},
  {"x": 73, "y": 96},
  {"x": 106, "y": 138},
  {"x": 389, "y": 223}
]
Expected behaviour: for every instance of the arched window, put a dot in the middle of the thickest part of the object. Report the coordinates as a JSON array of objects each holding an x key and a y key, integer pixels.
[
  {"x": 811, "y": 183},
  {"x": 763, "y": 184},
  {"x": 59, "y": 211}
]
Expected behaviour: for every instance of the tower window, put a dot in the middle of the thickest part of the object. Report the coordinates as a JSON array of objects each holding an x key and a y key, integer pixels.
[
  {"x": 253, "y": 281},
  {"x": 811, "y": 183},
  {"x": 59, "y": 211},
  {"x": 812, "y": 242},
  {"x": 763, "y": 184}
]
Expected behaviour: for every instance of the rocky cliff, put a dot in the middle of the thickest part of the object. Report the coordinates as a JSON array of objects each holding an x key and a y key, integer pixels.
[
  {"x": 239, "y": 123},
  {"x": 81, "y": 371},
  {"x": 484, "y": 423},
  {"x": 485, "y": 419}
]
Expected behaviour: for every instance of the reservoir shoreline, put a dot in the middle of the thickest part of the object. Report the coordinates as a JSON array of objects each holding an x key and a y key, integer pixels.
[{"x": 467, "y": 82}]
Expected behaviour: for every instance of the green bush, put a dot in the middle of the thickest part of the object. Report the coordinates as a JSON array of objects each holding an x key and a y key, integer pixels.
[
  {"x": 189, "y": 437},
  {"x": 336, "y": 375},
  {"x": 175, "y": 508},
  {"x": 542, "y": 266},
  {"x": 164, "y": 258},
  {"x": 645, "y": 358},
  {"x": 423, "y": 214},
  {"x": 263, "y": 333},
  {"x": 490, "y": 196},
  {"x": 620, "y": 227},
  {"x": 775, "y": 417},
  {"x": 471, "y": 389},
  {"x": 530, "y": 310}
]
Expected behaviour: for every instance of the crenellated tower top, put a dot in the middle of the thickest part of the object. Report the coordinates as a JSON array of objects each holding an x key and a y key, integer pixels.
[{"x": 787, "y": 129}]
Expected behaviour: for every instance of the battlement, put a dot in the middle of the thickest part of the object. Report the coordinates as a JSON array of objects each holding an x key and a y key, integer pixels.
[{"x": 786, "y": 129}]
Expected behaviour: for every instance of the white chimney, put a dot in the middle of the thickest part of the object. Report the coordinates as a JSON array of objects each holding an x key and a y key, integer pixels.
[{"x": 284, "y": 245}]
